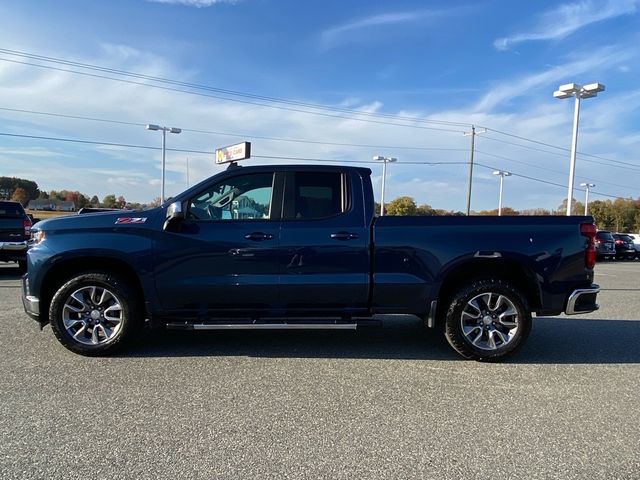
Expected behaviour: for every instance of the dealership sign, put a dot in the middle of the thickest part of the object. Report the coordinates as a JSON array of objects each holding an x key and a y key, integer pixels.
[{"x": 233, "y": 153}]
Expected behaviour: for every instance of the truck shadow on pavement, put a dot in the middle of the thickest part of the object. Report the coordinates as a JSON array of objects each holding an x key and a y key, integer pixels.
[{"x": 553, "y": 341}]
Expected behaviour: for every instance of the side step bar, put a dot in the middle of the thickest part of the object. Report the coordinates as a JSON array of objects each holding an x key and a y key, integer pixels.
[{"x": 262, "y": 326}]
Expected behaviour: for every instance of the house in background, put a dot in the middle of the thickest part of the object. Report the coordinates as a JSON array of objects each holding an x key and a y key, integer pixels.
[{"x": 50, "y": 205}]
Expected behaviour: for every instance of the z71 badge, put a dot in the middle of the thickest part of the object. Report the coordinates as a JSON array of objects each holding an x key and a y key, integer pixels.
[{"x": 124, "y": 220}]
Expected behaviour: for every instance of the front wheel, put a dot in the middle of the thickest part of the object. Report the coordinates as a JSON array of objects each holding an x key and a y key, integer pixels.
[
  {"x": 487, "y": 320},
  {"x": 94, "y": 313}
]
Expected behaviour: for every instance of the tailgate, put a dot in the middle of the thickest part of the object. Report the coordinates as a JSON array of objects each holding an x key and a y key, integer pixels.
[{"x": 11, "y": 229}]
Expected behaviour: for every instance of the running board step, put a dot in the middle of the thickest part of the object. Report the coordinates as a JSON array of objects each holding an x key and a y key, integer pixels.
[{"x": 262, "y": 326}]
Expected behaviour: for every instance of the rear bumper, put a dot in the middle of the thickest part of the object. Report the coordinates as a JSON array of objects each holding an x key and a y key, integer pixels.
[
  {"x": 583, "y": 300},
  {"x": 13, "y": 251}
]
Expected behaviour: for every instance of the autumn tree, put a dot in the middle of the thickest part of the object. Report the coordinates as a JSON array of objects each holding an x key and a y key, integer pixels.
[
  {"x": 506, "y": 211},
  {"x": 156, "y": 202},
  {"x": 20, "y": 195},
  {"x": 425, "y": 210},
  {"x": 577, "y": 208}
]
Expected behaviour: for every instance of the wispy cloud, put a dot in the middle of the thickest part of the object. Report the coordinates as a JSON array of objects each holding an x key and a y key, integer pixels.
[
  {"x": 504, "y": 92},
  {"x": 194, "y": 3},
  {"x": 338, "y": 34},
  {"x": 568, "y": 18}
]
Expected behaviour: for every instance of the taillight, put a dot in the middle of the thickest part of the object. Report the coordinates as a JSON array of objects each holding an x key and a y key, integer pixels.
[
  {"x": 26, "y": 224},
  {"x": 589, "y": 230}
]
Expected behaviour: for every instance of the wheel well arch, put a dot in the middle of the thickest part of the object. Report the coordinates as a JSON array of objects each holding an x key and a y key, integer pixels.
[
  {"x": 509, "y": 270},
  {"x": 64, "y": 270}
]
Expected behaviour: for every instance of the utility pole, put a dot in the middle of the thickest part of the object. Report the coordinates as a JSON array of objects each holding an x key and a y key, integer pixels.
[{"x": 473, "y": 134}]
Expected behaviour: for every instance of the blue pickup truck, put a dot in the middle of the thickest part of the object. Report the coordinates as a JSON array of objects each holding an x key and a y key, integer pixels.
[{"x": 300, "y": 247}]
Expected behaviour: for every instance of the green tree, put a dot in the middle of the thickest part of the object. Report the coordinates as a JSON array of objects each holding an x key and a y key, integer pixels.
[
  {"x": 109, "y": 201},
  {"x": 602, "y": 212},
  {"x": 401, "y": 206},
  {"x": 81, "y": 201},
  {"x": 95, "y": 202},
  {"x": 624, "y": 213},
  {"x": 9, "y": 184}
]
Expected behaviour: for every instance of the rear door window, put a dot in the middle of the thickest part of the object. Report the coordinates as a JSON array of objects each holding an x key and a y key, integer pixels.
[{"x": 317, "y": 195}]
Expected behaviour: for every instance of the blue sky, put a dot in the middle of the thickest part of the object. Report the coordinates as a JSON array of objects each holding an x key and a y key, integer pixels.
[{"x": 492, "y": 64}]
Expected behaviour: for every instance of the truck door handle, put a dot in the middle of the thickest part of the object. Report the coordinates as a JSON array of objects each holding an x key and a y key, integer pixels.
[
  {"x": 344, "y": 236},
  {"x": 258, "y": 236}
]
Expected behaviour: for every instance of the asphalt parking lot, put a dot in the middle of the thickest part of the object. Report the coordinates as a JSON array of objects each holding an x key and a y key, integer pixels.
[{"x": 385, "y": 402}]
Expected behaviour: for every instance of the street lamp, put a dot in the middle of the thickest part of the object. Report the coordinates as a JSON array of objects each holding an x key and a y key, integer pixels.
[
  {"x": 579, "y": 92},
  {"x": 586, "y": 196},
  {"x": 164, "y": 130},
  {"x": 384, "y": 161},
  {"x": 502, "y": 174}
]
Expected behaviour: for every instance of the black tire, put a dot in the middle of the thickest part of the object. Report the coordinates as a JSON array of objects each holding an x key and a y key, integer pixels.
[
  {"x": 121, "y": 301},
  {"x": 22, "y": 266},
  {"x": 487, "y": 327}
]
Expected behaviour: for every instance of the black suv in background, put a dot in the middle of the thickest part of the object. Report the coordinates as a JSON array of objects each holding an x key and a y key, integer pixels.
[
  {"x": 15, "y": 230},
  {"x": 624, "y": 246},
  {"x": 605, "y": 245}
]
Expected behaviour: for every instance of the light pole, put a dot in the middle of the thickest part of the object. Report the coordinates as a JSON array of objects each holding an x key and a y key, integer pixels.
[
  {"x": 586, "y": 196},
  {"x": 502, "y": 174},
  {"x": 579, "y": 92},
  {"x": 164, "y": 130},
  {"x": 384, "y": 161}
]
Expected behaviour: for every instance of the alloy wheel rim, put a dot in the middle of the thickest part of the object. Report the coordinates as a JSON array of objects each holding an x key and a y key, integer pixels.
[
  {"x": 489, "y": 321},
  {"x": 92, "y": 315}
]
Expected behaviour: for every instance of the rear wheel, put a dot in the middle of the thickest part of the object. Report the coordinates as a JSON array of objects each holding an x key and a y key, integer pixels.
[
  {"x": 94, "y": 313},
  {"x": 487, "y": 319}
]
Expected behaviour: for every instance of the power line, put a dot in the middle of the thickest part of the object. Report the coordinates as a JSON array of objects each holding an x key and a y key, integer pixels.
[
  {"x": 557, "y": 147},
  {"x": 238, "y": 135},
  {"x": 218, "y": 97},
  {"x": 148, "y": 147},
  {"x": 551, "y": 170},
  {"x": 266, "y": 98},
  {"x": 222, "y": 90},
  {"x": 270, "y": 99},
  {"x": 74, "y": 117},
  {"x": 305, "y": 141},
  {"x": 582, "y": 155},
  {"x": 548, "y": 182}
]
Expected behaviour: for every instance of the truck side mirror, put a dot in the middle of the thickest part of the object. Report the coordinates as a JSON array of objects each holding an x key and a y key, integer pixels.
[{"x": 175, "y": 216}]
